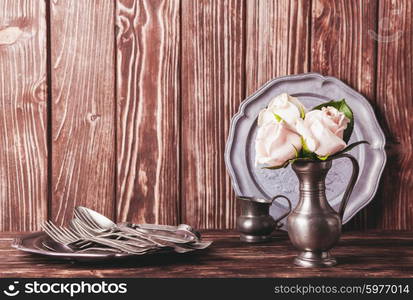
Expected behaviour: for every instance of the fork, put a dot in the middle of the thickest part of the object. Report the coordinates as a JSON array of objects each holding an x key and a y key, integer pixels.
[
  {"x": 83, "y": 224},
  {"x": 127, "y": 231},
  {"x": 70, "y": 238},
  {"x": 151, "y": 233},
  {"x": 85, "y": 231},
  {"x": 58, "y": 234},
  {"x": 130, "y": 240}
]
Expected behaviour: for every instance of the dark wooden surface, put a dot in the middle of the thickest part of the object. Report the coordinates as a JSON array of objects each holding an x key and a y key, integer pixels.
[
  {"x": 371, "y": 254},
  {"x": 124, "y": 106}
]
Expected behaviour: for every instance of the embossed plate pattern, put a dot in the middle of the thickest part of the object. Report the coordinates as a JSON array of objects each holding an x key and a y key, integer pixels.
[{"x": 311, "y": 89}]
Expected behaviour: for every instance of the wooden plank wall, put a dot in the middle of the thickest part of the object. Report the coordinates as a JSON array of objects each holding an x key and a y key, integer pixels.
[
  {"x": 342, "y": 47},
  {"x": 124, "y": 106},
  {"x": 148, "y": 110},
  {"x": 212, "y": 88},
  {"x": 23, "y": 114},
  {"x": 82, "y": 107}
]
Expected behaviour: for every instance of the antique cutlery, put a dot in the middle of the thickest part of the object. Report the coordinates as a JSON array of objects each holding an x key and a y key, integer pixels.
[{"x": 92, "y": 231}]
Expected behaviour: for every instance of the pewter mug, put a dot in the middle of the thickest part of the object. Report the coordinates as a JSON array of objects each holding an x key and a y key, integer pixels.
[
  {"x": 314, "y": 227},
  {"x": 255, "y": 223}
]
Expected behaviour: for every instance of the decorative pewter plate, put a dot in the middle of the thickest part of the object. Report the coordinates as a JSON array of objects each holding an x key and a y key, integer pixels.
[{"x": 311, "y": 89}]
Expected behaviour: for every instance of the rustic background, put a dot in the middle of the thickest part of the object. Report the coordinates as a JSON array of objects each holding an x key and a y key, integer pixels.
[{"x": 124, "y": 106}]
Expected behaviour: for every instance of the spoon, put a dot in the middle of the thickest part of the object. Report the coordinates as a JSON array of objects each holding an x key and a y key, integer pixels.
[
  {"x": 95, "y": 219},
  {"x": 100, "y": 221}
]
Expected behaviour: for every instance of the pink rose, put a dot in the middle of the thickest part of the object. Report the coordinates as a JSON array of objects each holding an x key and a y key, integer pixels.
[
  {"x": 323, "y": 130},
  {"x": 275, "y": 143},
  {"x": 285, "y": 106}
]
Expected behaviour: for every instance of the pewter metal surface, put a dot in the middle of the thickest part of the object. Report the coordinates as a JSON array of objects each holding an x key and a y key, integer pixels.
[
  {"x": 311, "y": 89},
  {"x": 255, "y": 223},
  {"x": 314, "y": 227},
  {"x": 93, "y": 237},
  {"x": 41, "y": 243}
]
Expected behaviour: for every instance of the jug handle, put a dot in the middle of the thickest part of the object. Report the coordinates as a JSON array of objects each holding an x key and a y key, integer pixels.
[
  {"x": 289, "y": 208},
  {"x": 350, "y": 184}
]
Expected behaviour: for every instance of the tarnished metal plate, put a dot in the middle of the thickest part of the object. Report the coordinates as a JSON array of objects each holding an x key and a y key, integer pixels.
[{"x": 311, "y": 89}]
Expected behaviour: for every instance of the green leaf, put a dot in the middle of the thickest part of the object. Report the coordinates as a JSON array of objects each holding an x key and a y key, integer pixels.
[
  {"x": 273, "y": 168},
  {"x": 350, "y": 147},
  {"x": 341, "y": 106},
  {"x": 277, "y": 117},
  {"x": 305, "y": 147},
  {"x": 302, "y": 112},
  {"x": 305, "y": 152},
  {"x": 278, "y": 167},
  {"x": 296, "y": 152},
  {"x": 323, "y": 157}
]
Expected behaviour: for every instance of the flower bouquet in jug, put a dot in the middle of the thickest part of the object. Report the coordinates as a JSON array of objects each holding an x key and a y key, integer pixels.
[
  {"x": 310, "y": 141},
  {"x": 287, "y": 132}
]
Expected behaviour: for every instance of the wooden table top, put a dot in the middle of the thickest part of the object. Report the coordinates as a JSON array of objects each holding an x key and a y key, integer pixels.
[{"x": 360, "y": 254}]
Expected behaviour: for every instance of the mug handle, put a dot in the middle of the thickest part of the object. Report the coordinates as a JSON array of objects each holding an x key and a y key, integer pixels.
[
  {"x": 350, "y": 184},
  {"x": 284, "y": 215}
]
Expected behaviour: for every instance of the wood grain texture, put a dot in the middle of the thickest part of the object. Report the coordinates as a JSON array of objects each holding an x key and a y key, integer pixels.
[
  {"x": 371, "y": 254},
  {"x": 212, "y": 88},
  {"x": 277, "y": 40},
  {"x": 23, "y": 115},
  {"x": 342, "y": 47},
  {"x": 148, "y": 92},
  {"x": 83, "y": 106},
  {"x": 141, "y": 115},
  {"x": 394, "y": 102}
]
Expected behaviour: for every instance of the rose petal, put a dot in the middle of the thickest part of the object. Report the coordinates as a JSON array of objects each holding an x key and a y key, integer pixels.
[
  {"x": 287, "y": 107},
  {"x": 275, "y": 143},
  {"x": 308, "y": 137},
  {"x": 329, "y": 143},
  {"x": 265, "y": 117}
]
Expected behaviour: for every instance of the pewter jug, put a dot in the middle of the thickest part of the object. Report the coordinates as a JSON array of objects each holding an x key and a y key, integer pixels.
[
  {"x": 255, "y": 223},
  {"x": 314, "y": 227}
]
